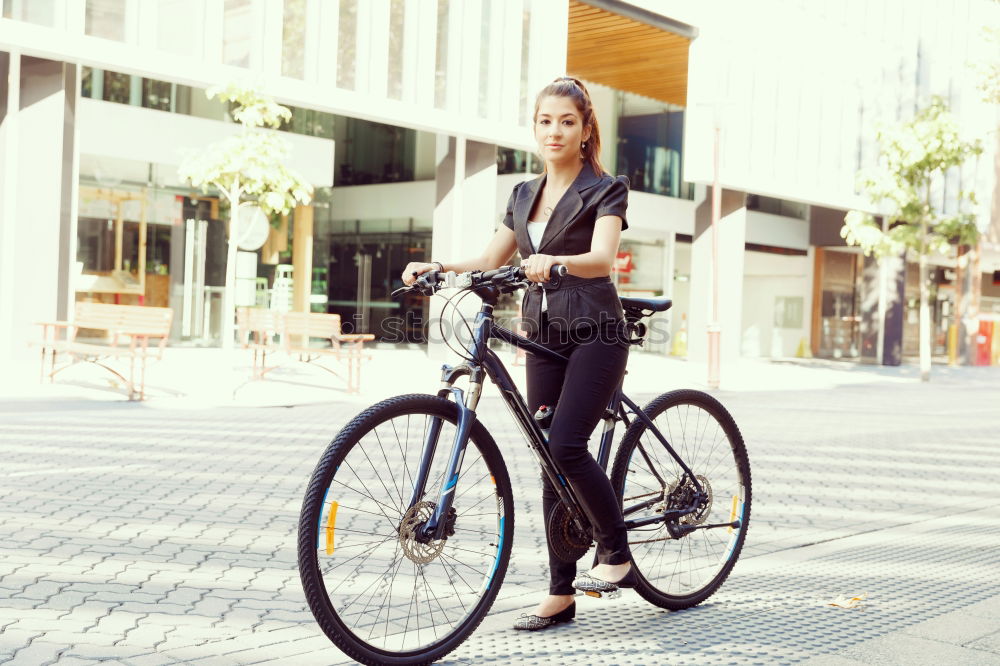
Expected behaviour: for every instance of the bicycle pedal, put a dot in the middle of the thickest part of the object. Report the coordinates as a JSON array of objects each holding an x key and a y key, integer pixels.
[{"x": 613, "y": 594}]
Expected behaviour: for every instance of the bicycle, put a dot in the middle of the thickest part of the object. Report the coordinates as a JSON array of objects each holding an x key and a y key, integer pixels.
[{"x": 403, "y": 544}]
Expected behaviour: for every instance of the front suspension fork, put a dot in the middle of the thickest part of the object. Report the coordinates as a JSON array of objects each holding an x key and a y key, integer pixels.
[{"x": 434, "y": 528}]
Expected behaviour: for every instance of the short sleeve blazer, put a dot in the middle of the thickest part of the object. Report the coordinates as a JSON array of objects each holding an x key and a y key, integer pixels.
[
  {"x": 571, "y": 225},
  {"x": 570, "y": 230}
]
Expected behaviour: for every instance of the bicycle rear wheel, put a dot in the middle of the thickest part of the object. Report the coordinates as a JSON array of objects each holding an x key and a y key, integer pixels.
[
  {"x": 680, "y": 573},
  {"x": 378, "y": 592}
]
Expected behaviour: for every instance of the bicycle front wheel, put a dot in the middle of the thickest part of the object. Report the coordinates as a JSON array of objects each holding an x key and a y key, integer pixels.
[
  {"x": 380, "y": 591},
  {"x": 680, "y": 573}
]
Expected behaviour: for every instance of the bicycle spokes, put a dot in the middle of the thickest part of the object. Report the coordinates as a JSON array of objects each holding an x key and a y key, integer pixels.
[{"x": 392, "y": 586}]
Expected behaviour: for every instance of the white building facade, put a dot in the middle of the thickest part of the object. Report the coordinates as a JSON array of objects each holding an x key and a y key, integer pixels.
[{"x": 412, "y": 120}]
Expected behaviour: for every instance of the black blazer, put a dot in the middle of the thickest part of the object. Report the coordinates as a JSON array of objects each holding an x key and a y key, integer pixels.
[{"x": 577, "y": 301}]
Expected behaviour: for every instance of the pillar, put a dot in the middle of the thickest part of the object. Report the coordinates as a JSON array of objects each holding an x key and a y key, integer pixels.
[
  {"x": 302, "y": 255},
  {"x": 465, "y": 217},
  {"x": 38, "y": 185},
  {"x": 731, "y": 246}
]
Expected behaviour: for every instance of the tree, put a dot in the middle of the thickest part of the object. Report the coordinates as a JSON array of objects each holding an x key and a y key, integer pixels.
[
  {"x": 247, "y": 169},
  {"x": 914, "y": 157}
]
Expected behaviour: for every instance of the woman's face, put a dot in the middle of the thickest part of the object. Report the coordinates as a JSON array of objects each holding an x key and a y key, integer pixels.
[{"x": 559, "y": 130}]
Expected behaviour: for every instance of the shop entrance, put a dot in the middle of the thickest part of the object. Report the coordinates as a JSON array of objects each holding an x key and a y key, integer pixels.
[{"x": 354, "y": 276}]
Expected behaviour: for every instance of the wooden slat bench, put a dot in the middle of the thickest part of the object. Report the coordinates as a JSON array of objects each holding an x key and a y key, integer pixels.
[
  {"x": 257, "y": 329},
  {"x": 129, "y": 329},
  {"x": 299, "y": 333}
]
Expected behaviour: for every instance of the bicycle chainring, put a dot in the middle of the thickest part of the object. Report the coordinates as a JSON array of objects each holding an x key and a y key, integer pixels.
[{"x": 568, "y": 542}]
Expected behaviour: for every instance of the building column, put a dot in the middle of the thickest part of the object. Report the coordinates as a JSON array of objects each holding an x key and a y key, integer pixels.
[
  {"x": 302, "y": 256},
  {"x": 465, "y": 219},
  {"x": 38, "y": 175},
  {"x": 730, "y": 252}
]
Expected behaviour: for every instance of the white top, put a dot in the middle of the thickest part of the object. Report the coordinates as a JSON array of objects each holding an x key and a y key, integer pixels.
[{"x": 535, "y": 231}]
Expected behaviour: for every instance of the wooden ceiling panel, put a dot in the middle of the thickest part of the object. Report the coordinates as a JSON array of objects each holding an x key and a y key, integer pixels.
[{"x": 626, "y": 54}]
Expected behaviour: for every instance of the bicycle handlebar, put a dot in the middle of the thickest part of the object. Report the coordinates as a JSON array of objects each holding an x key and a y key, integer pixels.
[{"x": 511, "y": 277}]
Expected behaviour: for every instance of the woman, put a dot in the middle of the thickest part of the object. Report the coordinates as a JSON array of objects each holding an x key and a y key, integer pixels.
[{"x": 572, "y": 215}]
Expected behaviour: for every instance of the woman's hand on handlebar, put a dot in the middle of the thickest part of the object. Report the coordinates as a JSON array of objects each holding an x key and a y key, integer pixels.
[
  {"x": 415, "y": 269},
  {"x": 538, "y": 267}
]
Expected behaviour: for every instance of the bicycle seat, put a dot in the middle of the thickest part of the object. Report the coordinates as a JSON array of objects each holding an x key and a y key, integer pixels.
[{"x": 654, "y": 304}]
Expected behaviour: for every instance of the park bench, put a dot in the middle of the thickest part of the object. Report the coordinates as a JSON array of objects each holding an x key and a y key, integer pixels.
[
  {"x": 309, "y": 337},
  {"x": 128, "y": 329}
]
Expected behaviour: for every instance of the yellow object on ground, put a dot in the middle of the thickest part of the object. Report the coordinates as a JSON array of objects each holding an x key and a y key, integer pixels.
[
  {"x": 680, "y": 345},
  {"x": 804, "y": 350}
]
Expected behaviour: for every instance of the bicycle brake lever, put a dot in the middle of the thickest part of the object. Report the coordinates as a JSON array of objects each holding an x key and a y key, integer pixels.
[{"x": 400, "y": 291}]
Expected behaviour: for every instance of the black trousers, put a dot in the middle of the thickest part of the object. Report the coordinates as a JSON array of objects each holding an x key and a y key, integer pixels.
[{"x": 580, "y": 391}]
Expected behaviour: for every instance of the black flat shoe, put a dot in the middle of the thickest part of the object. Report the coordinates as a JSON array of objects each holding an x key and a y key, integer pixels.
[
  {"x": 534, "y": 622},
  {"x": 595, "y": 587}
]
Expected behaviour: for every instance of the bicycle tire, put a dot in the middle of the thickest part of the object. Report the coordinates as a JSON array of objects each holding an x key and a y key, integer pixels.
[
  {"x": 341, "y": 627},
  {"x": 683, "y": 417}
]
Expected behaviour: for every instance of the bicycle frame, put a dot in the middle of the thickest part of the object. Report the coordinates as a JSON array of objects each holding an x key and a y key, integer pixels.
[{"x": 484, "y": 361}]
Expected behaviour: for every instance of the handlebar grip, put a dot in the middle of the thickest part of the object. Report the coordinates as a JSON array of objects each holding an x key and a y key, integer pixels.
[{"x": 556, "y": 271}]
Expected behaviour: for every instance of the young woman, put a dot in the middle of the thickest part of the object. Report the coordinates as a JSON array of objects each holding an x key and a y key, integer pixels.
[{"x": 572, "y": 215}]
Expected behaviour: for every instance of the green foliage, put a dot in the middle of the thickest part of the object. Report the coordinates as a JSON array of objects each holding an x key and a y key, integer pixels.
[
  {"x": 913, "y": 156},
  {"x": 251, "y": 164}
]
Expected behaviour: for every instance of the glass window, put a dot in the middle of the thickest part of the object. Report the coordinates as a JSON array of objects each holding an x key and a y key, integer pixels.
[
  {"x": 237, "y": 29},
  {"x": 87, "y": 81},
  {"x": 484, "y": 57},
  {"x": 650, "y": 146},
  {"x": 369, "y": 153},
  {"x": 397, "y": 15},
  {"x": 117, "y": 87},
  {"x": 510, "y": 160},
  {"x": 309, "y": 122},
  {"x": 441, "y": 59},
  {"x": 293, "y": 39},
  {"x": 525, "y": 52},
  {"x": 776, "y": 206},
  {"x": 347, "y": 44},
  {"x": 41, "y": 12},
  {"x": 180, "y": 26},
  {"x": 106, "y": 19},
  {"x": 156, "y": 94}
]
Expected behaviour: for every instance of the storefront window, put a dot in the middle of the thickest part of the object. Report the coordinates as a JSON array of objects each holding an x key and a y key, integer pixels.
[
  {"x": 293, "y": 39},
  {"x": 510, "y": 160},
  {"x": 106, "y": 19},
  {"x": 369, "y": 153},
  {"x": 840, "y": 308},
  {"x": 356, "y": 268},
  {"x": 650, "y": 146},
  {"x": 941, "y": 300}
]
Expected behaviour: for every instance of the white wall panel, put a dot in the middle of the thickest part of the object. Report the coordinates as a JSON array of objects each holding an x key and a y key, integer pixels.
[{"x": 126, "y": 132}]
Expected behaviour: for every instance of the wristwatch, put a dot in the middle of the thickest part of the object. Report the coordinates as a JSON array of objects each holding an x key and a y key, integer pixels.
[{"x": 439, "y": 265}]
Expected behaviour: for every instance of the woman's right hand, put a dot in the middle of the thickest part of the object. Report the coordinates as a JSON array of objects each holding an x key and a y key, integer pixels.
[{"x": 415, "y": 269}]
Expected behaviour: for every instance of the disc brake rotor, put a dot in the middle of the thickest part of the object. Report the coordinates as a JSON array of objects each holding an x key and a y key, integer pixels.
[{"x": 414, "y": 520}]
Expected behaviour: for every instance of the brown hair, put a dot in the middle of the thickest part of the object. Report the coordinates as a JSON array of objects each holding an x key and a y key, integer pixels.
[{"x": 566, "y": 86}]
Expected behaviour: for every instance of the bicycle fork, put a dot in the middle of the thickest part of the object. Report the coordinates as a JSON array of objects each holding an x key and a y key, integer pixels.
[{"x": 437, "y": 525}]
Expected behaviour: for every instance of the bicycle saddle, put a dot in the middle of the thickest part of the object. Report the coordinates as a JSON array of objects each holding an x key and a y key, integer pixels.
[{"x": 654, "y": 304}]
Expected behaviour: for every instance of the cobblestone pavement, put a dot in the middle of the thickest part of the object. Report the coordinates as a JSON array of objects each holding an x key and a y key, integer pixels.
[{"x": 154, "y": 536}]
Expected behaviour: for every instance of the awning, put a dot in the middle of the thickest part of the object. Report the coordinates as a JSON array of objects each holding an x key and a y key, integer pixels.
[{"x": 624, "y": 47}]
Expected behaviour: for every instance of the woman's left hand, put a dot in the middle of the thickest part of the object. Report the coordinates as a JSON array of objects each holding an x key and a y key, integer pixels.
[{"x": 538, "y": 266}]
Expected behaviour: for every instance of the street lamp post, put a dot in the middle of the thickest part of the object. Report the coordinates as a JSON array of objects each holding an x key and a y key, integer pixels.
[{"x": 714, "y": 329}]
